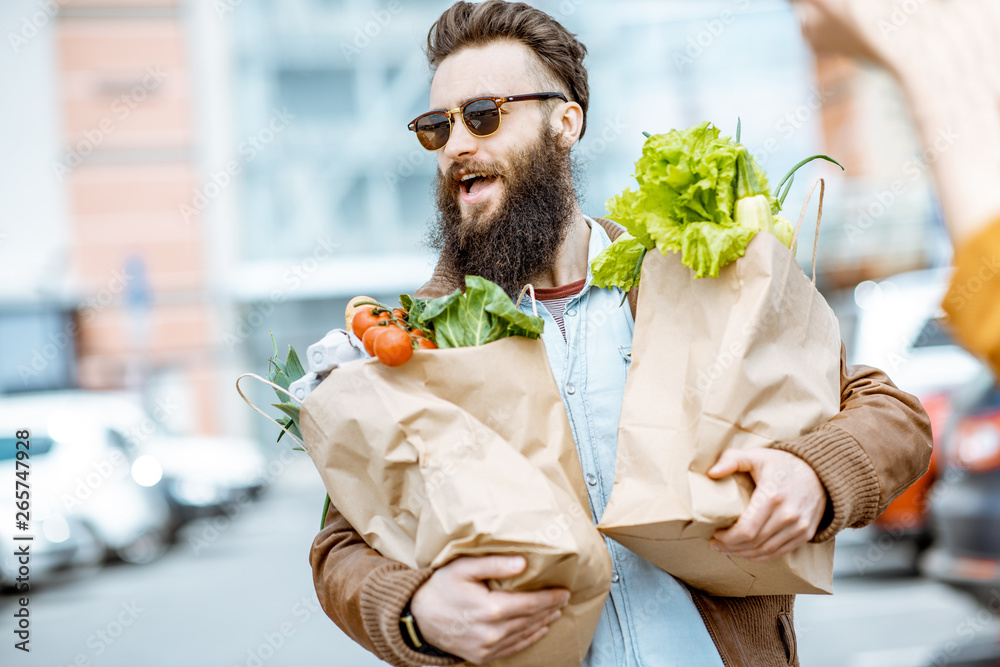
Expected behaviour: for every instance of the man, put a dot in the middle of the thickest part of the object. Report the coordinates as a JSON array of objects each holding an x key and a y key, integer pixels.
[{"x": 508, "y": 212}]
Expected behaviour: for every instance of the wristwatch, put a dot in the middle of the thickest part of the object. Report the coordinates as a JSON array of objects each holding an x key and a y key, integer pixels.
[{"x": 412, "y": 637}]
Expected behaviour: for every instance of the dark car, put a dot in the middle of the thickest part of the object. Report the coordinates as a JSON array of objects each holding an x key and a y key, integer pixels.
[{"x": 965, "y": 499}]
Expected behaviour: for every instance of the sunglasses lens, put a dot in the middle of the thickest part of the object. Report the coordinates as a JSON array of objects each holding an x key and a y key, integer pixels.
[
  {"x": 433, "y": 131},
  {"x": 482, "y": 117}
]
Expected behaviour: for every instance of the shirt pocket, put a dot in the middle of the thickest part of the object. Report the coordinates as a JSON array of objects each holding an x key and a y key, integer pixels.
[{"x": 626, "y": 354}]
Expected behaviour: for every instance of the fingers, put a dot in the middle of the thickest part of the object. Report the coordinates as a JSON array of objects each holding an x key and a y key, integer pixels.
[
  {"x": 490, "y": 641},
  {"x": 760, "y": 520},
  {"x": 771, "y": 526},
  {"x": 519, "y": 629},
  {"x": 732, "y": 460},
  {"x": 780, "y": 529},
  {"x": 774, "y": 548},
  {"x": 459, "y": 614},
  {"x": 521, "y": 604},
  {"x": 748, "y": 531},
  {"x": 523, "y": 643}
]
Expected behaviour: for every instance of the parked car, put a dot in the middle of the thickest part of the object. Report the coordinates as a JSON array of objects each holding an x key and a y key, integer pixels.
[
  {"x": 198, "y": 475},
  {"x": 59, "y": 542},
  {"x": 901, "y": 330},
  {"x": 205, "y": 474},
  {"x": 81, "y": 472},
  {"x": 965, "y": 500}
]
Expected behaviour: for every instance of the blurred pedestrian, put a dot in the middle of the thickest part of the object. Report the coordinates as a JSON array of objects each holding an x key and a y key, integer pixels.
[{"x": 946, "y": 58}]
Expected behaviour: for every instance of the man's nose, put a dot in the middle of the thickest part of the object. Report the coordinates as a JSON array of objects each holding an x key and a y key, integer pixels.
[{"x": 461, "y": 143}]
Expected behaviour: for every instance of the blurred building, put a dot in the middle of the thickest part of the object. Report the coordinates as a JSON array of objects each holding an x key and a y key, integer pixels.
[
  {"x": 885, "y": 215},
  {"x": 181, "y": 178}
]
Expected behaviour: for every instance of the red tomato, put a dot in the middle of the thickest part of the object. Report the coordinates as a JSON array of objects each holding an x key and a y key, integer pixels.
[
  {"x": 370, "y": 335},
  {"x": 362, "y": 321},
  {"x": 425, "y": 343},
  {"x": 393, "y": 347}
]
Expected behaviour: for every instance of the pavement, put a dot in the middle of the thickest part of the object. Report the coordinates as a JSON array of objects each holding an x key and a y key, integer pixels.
[{"x": 238, "y": 593}]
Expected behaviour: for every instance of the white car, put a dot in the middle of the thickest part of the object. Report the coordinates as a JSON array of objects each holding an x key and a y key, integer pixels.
[
  {"x": 80, "y": 474},
  {"x": 57, "y": 541},
  {"x": 194, "y": 475},
  {"x": 901, "y": 330}
]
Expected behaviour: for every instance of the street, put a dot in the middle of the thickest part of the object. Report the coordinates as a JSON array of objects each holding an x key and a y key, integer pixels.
[{"x": 239, "y": 594}]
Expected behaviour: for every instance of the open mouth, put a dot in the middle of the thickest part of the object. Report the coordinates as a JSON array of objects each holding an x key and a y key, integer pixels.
[{"x": 474, "y": 185}]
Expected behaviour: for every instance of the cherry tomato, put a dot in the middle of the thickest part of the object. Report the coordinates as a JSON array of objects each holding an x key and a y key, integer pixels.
[
  {"x": 370, "y": 335},
  {"x": 424, "y": 343},
  {"x": 393, "y": 347},
  {"x": 353, "y": 307},
  {"x": 399, "y": 314},
  {"x": 363, "y": 320}
]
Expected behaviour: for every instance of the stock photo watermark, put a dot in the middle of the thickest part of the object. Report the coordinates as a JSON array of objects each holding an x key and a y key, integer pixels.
[
  {"x": 121, "y": 108},
  {"x": 248, "y": 150},
  {"x": 271, "y": 642},
  {"x": 914, "y": 168},
  {"x": 293, "y": 278},
  {"x": 32, "y": 24},
  {"x": 91, "y": 307},
  {"x": 365, "y": 34},
  {"x": 702, "y": 40},
  {"x": 104, "y": 637},
  {"x": 899, "y": 16},
  {"x": 212, "y": 529}
]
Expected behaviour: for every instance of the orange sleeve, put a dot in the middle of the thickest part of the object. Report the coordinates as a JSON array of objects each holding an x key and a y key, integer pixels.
[{"x": 973, "y": 299}]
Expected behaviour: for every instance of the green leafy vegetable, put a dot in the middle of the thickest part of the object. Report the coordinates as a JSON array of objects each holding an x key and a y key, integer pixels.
[
  {"x": 481, "y": 314},
  {"x": 616, "y": 266},
  {"x": 700, "y": 194},
  {"x": 283, "y": 374}
]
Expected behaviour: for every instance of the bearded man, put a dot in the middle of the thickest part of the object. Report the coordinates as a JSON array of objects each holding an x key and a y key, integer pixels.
[{"x": 510, "y": 97}]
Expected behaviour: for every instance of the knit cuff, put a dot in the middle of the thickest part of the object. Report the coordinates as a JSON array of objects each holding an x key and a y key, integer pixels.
[
  {"x": 382, "y": 601},
  {"x": 846, "y": 473}
]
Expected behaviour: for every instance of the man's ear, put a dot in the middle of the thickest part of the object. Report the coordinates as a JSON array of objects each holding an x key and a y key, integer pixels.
[{"x": 567, "y": 120}]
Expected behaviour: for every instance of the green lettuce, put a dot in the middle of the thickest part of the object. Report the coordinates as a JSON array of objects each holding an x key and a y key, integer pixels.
[
  {"x": 616, "y": 266},
  {"x": 685, "y": 203},
  {"x": 481, "y": 314},
  {"x": 701, "y": 195}
]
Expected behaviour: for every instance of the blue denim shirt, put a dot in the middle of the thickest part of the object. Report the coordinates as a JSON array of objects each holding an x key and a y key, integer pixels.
[{"x": 649, "y": 618}]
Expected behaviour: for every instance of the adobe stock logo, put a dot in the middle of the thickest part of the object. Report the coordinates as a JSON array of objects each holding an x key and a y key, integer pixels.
[{"x": 363, "y": 35}]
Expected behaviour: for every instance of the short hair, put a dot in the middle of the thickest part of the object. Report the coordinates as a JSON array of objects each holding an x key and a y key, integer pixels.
[{"x": 465, "y": 25}]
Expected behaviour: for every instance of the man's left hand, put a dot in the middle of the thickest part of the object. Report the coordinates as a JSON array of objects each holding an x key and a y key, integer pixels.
[{"x": 785, "y": 508}]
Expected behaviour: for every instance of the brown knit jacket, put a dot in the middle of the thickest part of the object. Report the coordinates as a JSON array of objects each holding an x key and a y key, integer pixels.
[{"x": 865, "y": 456}]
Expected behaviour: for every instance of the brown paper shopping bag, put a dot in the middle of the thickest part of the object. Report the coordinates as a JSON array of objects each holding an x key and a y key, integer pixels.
[
  {"x": 740, "y": 361},
  {"x": 466, "y": 452}
]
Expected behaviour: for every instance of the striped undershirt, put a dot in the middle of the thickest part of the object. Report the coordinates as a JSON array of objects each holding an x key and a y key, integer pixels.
[{"x": 555, "y": 299}]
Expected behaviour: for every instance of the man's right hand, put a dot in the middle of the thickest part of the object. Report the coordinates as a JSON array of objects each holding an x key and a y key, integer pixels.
[{"x": 457, "y": 613}]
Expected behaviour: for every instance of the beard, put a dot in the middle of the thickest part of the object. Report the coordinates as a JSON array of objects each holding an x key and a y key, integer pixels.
[{"x": 518, "y": 238}]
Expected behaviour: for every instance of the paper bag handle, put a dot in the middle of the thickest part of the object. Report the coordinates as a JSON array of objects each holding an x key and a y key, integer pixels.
[
  {"x": 530, "y": 289},
  {"x": 819, "y": 216},
  {"x": 267, "y": 416}
]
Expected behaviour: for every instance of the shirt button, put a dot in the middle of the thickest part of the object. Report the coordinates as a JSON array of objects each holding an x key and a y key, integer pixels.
[
  {"x": 571, "y": 312},
  {"x": 614, "y": 577},
  {"x": 591, "y": 480},
  {"x": 570, "y": 389}
]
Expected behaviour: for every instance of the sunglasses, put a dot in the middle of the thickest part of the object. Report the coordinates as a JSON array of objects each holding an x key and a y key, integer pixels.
[{"x": 481, "y": 115}]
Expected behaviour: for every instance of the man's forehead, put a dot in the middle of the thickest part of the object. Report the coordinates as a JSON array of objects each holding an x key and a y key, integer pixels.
[{"x": 500, "y": 68}]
